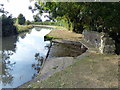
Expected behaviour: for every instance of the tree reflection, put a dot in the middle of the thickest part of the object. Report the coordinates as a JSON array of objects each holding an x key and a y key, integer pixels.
[
  {"x": 37, "y": 66},
  {"x": 37, "y": 28},
  {"x": 8, "y": 48},
  {"x": 23, "y": 35},
  {"x": 9, "y": 43},
  {"x": 7, "y": 65}
]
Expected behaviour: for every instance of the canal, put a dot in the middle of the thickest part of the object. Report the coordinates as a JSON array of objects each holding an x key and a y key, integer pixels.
[{"x": 22, "y": 55}]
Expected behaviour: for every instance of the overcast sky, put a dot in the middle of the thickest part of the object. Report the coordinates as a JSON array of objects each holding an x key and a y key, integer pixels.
[{"x": 15, "y": 7}]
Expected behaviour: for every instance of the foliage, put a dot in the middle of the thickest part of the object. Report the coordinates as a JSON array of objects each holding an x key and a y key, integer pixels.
[
  {"x": 104, "y": 17},
  {"x": 8, "y": 23},
  {"x": 14, "y": 20},
  {"x": 23, "y": 28},
  {"x": 64, "y": 11},
  {"x": 97, "y": 16},
  {"x": 8, "y": 27},
  {"x": 47, "y": 23},
  {"x": 21, "y": 19},
  {"x": 27, "y": 22},
  {"x": 80, "y": 15},
  {"x": 37, "y": 18}
]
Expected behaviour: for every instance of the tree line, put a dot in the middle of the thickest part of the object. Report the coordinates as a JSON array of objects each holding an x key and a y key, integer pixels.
[
  {"x": 97, "y": 16},
  {"x": 9, "y": 26},
  {"x": 78, "y": 16}
]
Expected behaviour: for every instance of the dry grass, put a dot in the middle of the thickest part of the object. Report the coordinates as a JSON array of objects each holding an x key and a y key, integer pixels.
[
  {"x": 65, "y": 34},
  {"x": 93, "y": 71}
]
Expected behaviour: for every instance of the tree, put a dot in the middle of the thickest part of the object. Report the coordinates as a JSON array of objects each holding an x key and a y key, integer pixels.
[
  {"x": 37, "y": 18},
  {"x": 99, "y": 16},
  {"x": 14, "y": 19},
  {"x": 21, "y": 19},
  {"x": 8, "y": 27},
  {"x": 68, "y": 11},
  {"x": 28, "y": 22},
  {"x": 103, "y": 17}
]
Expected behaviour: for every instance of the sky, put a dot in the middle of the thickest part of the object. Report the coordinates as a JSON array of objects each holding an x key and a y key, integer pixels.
[{"x": 15, "y": 7}]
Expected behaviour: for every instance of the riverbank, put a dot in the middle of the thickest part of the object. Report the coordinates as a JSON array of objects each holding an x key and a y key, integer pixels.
[
  {"x": 93, "y": 71},
  {"x": 23, "y": 28},
  {"x": 89, "y": 70},
  {"x": 64, "y": 34},
  {"x": 48, "y": 26}
]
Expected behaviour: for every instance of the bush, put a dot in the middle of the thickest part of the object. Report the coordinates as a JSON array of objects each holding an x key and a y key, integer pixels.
[
  {"x": 28, "y": 22},
  {"x": 21, "y": 19},
  {"x": 8, "y": 27},
  {"x": 23, "y": 28}
]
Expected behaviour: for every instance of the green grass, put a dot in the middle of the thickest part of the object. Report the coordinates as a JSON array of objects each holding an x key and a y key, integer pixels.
[
  {"x": 47, "y": 23},
  {"x": 23, "y": 28},
  {"x": 60, "y": 27},
  {"x": 50, "y": 37},
  {"x": 93, "y": 71}
]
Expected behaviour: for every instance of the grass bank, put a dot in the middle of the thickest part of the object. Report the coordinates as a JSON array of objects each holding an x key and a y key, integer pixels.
[
  {"x": 92, "y": 71},
  {"x": 63, "y": 33},
  {"x": 23, "y": 28}
]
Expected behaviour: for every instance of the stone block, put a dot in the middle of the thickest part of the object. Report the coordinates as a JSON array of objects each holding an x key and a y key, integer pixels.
[{"x": 102, "y": 41}]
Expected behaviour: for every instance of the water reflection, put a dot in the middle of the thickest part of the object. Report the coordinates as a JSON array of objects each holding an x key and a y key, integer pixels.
[
  {"x": 7, "y": 66},
  {"x": 8, "y": 48},
  {"x": 22, "y": 57},
  {"x": 9, "y": 43},
  {"x": 64, "y": 50},
  {"x": 39, "y": 63}
]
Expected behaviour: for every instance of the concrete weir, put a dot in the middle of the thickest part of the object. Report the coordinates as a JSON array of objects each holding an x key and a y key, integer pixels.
[{"x": 56, "y": 64}]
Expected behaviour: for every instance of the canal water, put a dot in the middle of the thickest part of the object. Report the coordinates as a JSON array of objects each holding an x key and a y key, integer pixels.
[
  {"x": 66, "y": 50},
  {"x": 22, "y": 55}
]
